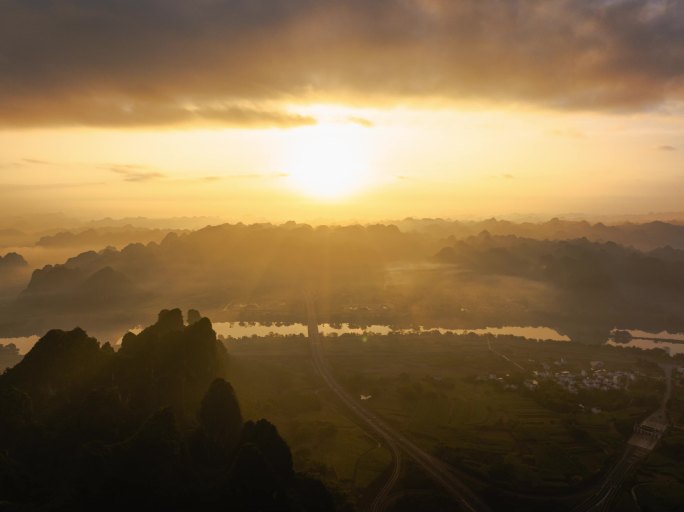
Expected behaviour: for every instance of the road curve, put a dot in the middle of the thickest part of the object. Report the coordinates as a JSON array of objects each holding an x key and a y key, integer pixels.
[
  {"x": 395, "y": 441},
  {"x": 382, "y": 498}
]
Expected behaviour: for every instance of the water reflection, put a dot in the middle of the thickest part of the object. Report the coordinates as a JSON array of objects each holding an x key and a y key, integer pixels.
[
  {"x": 672, "y": 343},
  {"x": 242, "y": 330}
]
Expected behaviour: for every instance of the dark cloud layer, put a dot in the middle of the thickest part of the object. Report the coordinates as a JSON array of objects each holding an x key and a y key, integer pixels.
[{"x": 162, "y": 62}]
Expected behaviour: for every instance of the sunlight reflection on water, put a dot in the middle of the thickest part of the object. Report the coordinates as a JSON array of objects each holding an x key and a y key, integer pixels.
[
  {"x": 649, "y": 340},
  {"x": 643, "y": 339},
  {"x": 235, "y": 330}
]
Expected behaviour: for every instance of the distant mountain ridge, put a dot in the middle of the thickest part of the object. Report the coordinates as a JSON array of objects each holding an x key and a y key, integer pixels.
[
  {"x": 104, "y": 236},
  {"x": 646, "y": 236},
  {"x": 429, "y": 272}
]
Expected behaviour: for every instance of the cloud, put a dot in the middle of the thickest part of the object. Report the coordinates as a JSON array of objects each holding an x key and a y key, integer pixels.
[
  {"x": 243, "y": 176},
  {"x": 11, "y": 165},
  {"x": 19, "y": 187},
  {"x": 139, "y": 113},
  {"x": 136, "y": 173},
  {"x": 145, "y": 62},
  {"x": 361, "y": 121},
  {"x": 256, "y": 175},
  {"x": 667, "y": 147},
  {"x": 242, "y": 117},
  {"x": 35, "y": 161}
]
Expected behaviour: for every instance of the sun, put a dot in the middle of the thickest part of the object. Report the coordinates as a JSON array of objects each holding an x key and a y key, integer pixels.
[{"x": 327, "y": 162}]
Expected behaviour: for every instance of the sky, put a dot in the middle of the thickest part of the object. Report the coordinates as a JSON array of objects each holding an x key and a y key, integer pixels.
[{"x": 343, "y": 110}]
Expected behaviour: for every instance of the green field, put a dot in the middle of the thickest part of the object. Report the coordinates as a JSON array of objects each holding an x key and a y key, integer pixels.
[{"x": 436, "y": 389}]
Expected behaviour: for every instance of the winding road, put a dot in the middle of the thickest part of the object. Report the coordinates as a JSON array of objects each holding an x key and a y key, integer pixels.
[
  {"x": 396, "y": 442},
  {"x": 645, "y": 438}
]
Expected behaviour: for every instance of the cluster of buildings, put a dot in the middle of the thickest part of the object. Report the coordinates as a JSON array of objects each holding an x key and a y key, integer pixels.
[{"x": 596, "y": 378}]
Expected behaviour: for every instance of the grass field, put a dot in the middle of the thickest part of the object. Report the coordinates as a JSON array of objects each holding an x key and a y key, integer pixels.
[{"x": 436, "y": 389}]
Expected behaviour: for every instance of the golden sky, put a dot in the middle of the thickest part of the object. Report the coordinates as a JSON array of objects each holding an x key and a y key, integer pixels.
[{"x": 346, "y": 110}]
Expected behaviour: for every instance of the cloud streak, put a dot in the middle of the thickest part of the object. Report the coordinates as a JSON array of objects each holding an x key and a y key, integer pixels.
[
  {"x": 136, "y": 174},
  {"x": 360, "y": 121},
  {"x": 139, "y": 63},
  {"x": 134, "y": 112}
]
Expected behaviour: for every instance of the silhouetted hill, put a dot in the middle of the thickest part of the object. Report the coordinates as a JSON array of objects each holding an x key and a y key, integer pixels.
[
  {"x": 12, "y": 261},
  {"x": 56, "y": 363},
  {"x": 69, "y": 288},
  {"x": 107, "y": 285},
  {"x": 370, "y": 274},
  {"x": 14, "y": 273},
  {"x": 154, "y": 426},
  {"x": 214, "y": 266},
  {"x": 103, "y": 236},
  {"x": 571, "y": 264},
  {"x": 53, "y": 279},
  {"x": 643, "y": 236},
  {"x": 170, "y": 223}
]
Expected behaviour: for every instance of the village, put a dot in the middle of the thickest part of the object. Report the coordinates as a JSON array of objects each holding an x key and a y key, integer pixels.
[{"x": 594, "y": 377}]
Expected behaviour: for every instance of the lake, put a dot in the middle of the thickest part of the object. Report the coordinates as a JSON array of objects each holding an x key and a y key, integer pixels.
[
  {"x": 241, "y": 330},
  {"x": 671, "y": 342}
]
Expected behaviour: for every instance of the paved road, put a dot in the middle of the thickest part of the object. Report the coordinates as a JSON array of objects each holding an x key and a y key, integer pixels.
[
  {"x": 643, "y": 441},
  {"x": 491, "y": 349},
  {"x": 394, "y": 440}
]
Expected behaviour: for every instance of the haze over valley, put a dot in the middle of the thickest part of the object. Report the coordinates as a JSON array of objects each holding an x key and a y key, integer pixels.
[{"x": 387, "y": 256}]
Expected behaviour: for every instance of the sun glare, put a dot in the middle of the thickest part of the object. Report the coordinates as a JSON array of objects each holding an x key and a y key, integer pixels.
[{"x": 327, "y": 162}]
